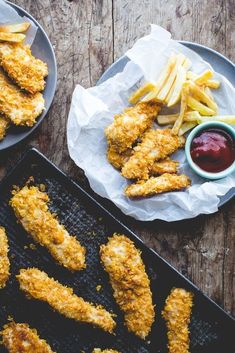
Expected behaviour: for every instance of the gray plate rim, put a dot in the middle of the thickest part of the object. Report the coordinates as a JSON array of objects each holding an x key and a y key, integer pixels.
[
  {"x": 53, "y": 83},
  {"x": 120, "y": 63}
]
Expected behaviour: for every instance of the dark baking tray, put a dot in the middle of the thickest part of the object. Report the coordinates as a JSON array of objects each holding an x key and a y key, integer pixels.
[{"x": 212, "y": 330}]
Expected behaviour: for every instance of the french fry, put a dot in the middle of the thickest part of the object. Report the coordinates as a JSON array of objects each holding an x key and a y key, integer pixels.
[
  {"x": 165, "y": 73},
  {"x": 192, "y": 116},
  {"x": 205, "y": 76},
  {"x": 198, "y": 93},
  {"x": 208, "y": 92},
  {"x": 212, "y": 84},
  {"x": 171, "y": 78},
  {"x": 183, "y": 107},
  {"x": 191, "y": 76},
  {"x": 186, "y": 127},
  {"x": 175, "y": 92},
  {"x": 15, "y": 28},
  {"x": 229, "y": 119},
  {"x": 187, "y": 64},
  {"x": 201, "y": 108},
  {"x": 12, "y": 37},
  {"x": 140, "y": 92}
]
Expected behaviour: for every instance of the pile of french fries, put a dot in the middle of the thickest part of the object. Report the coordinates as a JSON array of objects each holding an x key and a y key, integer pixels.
[
  {"x": 177, "y": 83},
  {"x": 13, "y": 33}
]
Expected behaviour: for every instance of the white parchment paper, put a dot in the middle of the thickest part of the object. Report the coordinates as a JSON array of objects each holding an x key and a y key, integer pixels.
[
  {"x": 8, "y": 15},
  {"x": 93, "y": 109}
]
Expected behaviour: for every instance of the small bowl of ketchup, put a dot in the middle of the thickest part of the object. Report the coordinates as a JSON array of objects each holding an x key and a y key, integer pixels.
[{"x": 210, "y": 150}]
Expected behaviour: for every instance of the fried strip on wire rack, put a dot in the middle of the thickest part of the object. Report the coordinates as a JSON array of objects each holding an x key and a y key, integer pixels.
[
  {"x": 130, "y": 125},
  {"x": 130, "y": 282},
  {"x": 31, "y": 208},
  {"x": 4, "y": 260},
  {"x": 156, "y": 185},
  {"x": 177, "y": 313},
  {"x": 155, "y": 145},
  {"x": 38, "y": 285},
  {"x": 20, "y": 338}
]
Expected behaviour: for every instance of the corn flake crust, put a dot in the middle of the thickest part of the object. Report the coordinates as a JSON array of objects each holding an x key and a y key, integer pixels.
[
  {"x": 20, "y": 338},
  {"x": 38, "y": 285},
  {"x": 131, "y": 285},
  {"x": 23, "y": 68},
  {"x": 131, "y": 124},
  {"x": 30, "y": 207},
  {"x": 156, "y": 185},
  {"x": 4, "y": 260},
  {"x": 4, "y": 124},
  {"x": 177, "y": 313},
  {"x": 21, "y": 108}
]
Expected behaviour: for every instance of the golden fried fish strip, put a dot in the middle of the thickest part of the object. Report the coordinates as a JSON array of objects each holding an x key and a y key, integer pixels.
[
  {"x": 130, "y": 125},
  {"x": 20, "y": 338},
  {"x": 30, "y": 207},
  {"x": 164, "y": 183},
  {"x": 4, "y": 260},
  {"x": 116, "y": 158},
  {"x": 98, "y": 350},
  {"x": 21, "y": 108},
  {"x": 177, "y": 313},
  {"x": 155, "y": 145},
  {"x": 164, "y": 166},
  {"x": 4, "y": 124},
  {"x": 131, "y": 285},
  {"x": 23, "y": 68},
  {"x": 36, "y": 284}
]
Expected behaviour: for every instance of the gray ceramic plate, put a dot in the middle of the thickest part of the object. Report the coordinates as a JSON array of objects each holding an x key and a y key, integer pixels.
[
  {"x": 219, "y": 63},
  {"x": 42, "y": 49}
]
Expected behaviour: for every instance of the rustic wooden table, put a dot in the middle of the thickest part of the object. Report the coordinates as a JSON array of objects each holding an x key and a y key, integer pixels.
[{"x": 88, "y": 35}]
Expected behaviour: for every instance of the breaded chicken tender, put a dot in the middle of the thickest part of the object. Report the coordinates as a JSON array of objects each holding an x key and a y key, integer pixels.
[
  {"x": 23, "y": 68},
  {"x": 118, "y": 159},
  {"x": 156, "y": 185},
  {"x": 130, "y": 125},
  {"x": 38, "y": 285},
  {"x": 4, "y": 124},
  {"x": 4, "y": 260},
  {"x": 131, "y": 285},
  {"x": 155, "y": 145},
  {"x": 177, "y": 313},
  {"x": 164, "y": 166},
  {"x": 98, "y": 350},
  {"x": 21, "y": 108},
  {"x": 31, "y": 209},
  {"x": 20, "y": 338}
]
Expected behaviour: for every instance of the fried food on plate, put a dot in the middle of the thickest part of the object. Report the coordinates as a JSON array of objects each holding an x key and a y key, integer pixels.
[
  {"x": 21, "y": 108},
  {"x": 116, "y": 158},
  {"x": 98, "y": 350},
  {"x": 20, "y": 338},
  {"x": 177, "y": 313},
  {"x": 130, "y": 282},
  {"x": 38, "y": 285},
  {"x": 164, "y": 166},
  {"x": 4, "y": 124},
  {"x": 12, "y": 37},
  {"x": 15, "y": 28},
  {"x": 31, "y": 208},
  {"x": 23, "y": 68},
  {"x": 164, "y": 183},
  {"x": 130, "y": 125},
  {"x": 4, "y": 260},
  {"x": 155, "y": 145}
]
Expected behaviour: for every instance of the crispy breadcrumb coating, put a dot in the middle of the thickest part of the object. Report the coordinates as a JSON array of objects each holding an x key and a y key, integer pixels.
[
  {"x": 130, "y": 125},
  {"x": 21, "y": 108},
  {"x": 36, "y": 284},
  {"x": 177, "y": 313},
  {"x": 116, "y": 158},
  {"x": 131, "y": 285},
  {"x": 20, "y": 338},
  {"x": 23, "y": 68},
  {"x": 164, "y": 166},
  {"x": 4, "y": 124},
  {"x": 156, "y": 185},
  {"x": 30, "y": 207},
  {"x": 98, "y": 350},
  {"x": 155, "y": 145},
  {"x": 4, "y": 260}
]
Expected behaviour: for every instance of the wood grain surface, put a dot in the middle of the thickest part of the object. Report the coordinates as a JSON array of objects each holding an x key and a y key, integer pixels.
[{"x": 88, "y": 35}]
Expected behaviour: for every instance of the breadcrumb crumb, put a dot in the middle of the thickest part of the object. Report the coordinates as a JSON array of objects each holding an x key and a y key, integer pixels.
[
  {"x": 98, "y": 350},
  {"x": 4, "y": 260}
]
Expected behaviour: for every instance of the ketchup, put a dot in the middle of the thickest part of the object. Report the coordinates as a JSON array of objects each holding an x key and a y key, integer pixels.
[{"x": 213, "y": 150}]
